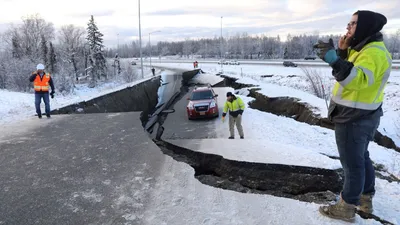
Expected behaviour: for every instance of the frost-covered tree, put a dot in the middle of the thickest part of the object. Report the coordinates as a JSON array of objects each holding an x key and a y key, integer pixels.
[
  {"x": 94, "y": 36},
  {"x": 32, "y": 30},
  {"x": 393, "y": 44},
  {"x": 25, "y": 39},
  {"x": 44, "y": 50},
  {"x": 52, "y": 59},
  {"x": 187, "y": 48},
  {"x": 3, "y": 76},
  {"x": 71, "y": 42},
  {"x": 16, "y": 47},
  {"x": 98, "y": 61}
]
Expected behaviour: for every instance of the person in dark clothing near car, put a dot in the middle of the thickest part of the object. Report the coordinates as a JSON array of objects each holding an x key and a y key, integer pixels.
[
  {"x": 153, "y": 71},
  {"x": 41, "y": 83},
  {"x": 361, "y": 67}
]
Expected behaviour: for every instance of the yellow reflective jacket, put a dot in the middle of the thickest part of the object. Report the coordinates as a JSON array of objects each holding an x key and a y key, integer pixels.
[
  {"x": 234, "y": 107},
  {"x": 363, "y": 88}
]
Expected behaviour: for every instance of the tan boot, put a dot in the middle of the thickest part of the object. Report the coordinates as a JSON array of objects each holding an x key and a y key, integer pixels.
[
  {"x": 341, "y": 210},
  {"x": 366, "y": 203}
]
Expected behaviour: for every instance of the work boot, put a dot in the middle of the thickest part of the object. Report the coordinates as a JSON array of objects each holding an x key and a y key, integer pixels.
[
  {"x": 231, "y": 137},
  {"x": 366, "y": 203},
  {"x": 48, "y": 116},
  {"x": 39, "y": 116},
  {"x": 341, "y": 210},
  {"x": 241, "y": 137}
]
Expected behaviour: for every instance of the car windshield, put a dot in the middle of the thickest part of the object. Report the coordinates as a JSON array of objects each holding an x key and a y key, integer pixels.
[{"x": 199, "y": 95}]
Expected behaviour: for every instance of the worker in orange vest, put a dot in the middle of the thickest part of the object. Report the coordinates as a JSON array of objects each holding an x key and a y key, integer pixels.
[{"x": 41, "y": 82}]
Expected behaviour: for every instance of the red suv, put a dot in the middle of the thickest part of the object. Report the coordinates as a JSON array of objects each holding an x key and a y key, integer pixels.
[{"x": 202, "y": 103}]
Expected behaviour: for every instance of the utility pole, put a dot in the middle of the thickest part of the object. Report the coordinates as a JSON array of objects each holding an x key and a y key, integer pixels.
[
  {"x": 221, "y": 48},
  {"x": 118, "y": 43},
  {"x": 140, "y": 43},
  {"x": 150, "y": 49}
]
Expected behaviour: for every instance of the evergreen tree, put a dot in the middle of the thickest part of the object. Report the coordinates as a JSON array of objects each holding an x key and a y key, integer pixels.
[
  {"x": 3, "y": 76},
  {"x": 16, "y": 48},
  {"x": 285, "y": 53},
  {"x": 43, "y": 46},
  {"x": 94, "y": 37},
  {"x": 53, "y": 59},
  {"x": 98, "y": 61}
]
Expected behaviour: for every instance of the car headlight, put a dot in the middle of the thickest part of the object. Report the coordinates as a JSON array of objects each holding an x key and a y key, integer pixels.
[
  {"x": 190, "y": 106},
  {"x": 212, "y": 104}
]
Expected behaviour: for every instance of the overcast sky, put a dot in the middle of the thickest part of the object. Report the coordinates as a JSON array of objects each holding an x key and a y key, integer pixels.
[{"x": 180, "y": 19}]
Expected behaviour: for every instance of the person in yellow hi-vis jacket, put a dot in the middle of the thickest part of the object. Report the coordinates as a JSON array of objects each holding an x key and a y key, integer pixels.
[
  {"x": 236, "y": 107},
  {"x": 361, "y": 66}
]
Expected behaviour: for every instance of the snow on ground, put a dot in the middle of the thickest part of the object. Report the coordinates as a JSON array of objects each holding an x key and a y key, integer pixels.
[
  {"x": 249, "y": 150},
  {"x": 16, "y": 106},
  {"x": 206, "y": 78}
]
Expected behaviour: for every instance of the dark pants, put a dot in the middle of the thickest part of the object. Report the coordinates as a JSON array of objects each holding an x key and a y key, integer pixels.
[
  {"x": 46, "y": 99},
  {"x": 352, "y": 140}
]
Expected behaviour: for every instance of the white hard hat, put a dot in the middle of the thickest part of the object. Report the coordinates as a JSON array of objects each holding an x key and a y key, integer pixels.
[{"x": 40, "y": 66}]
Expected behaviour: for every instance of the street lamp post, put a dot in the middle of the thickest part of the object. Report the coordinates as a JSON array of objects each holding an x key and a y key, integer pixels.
[
  {"x": 150, "y": 42},
  {"x": 140, "y": 42},
  {"x": 118, "y": 43},
  {"x": 221, "y": 47}
]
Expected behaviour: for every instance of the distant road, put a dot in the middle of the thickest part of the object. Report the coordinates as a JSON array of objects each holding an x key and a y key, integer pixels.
[{"x": 299, "y": 62}]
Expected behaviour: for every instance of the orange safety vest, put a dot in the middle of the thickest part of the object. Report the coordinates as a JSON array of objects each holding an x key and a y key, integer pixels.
[{"x": 41, "y": 84}]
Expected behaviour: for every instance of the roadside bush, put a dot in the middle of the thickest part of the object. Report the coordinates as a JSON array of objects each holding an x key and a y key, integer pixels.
[
  {"x": 320, "y": 84},
  {"x": 18, "y": 73},
  {"x": 64, "y": 81},
  {"x": 129, "y": 74}
]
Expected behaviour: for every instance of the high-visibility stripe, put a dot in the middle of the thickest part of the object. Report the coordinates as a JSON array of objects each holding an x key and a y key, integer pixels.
[
  {"x": 357, "y": 105},
  {"x": 353, "y": 75},
  {"x": 42, "y": 83}
]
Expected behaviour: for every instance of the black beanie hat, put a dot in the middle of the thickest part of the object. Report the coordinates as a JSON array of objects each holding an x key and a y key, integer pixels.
[
  {"x": 229, "y": 94},
  {"x": 368, "y": 23}
]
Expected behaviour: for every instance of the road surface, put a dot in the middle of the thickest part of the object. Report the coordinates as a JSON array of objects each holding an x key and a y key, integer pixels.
[
  {"x": 177, "y": 125},
  {"x": 77, "y": 169}
]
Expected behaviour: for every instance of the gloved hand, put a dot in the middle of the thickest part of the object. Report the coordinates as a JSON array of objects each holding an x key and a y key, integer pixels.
[
  {"x": 52, "y": 94},
  {"x": 223, "y": 119},
  {"x": 326, "y": 51}
]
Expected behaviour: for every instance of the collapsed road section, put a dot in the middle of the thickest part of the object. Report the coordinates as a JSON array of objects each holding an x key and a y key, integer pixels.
[
  {"x": 302, "y": 183},
  {"x": 296, "y": 182}
]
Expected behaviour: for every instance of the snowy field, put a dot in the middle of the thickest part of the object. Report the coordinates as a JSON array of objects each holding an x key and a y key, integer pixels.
[{"x": 292, "y": 82}]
